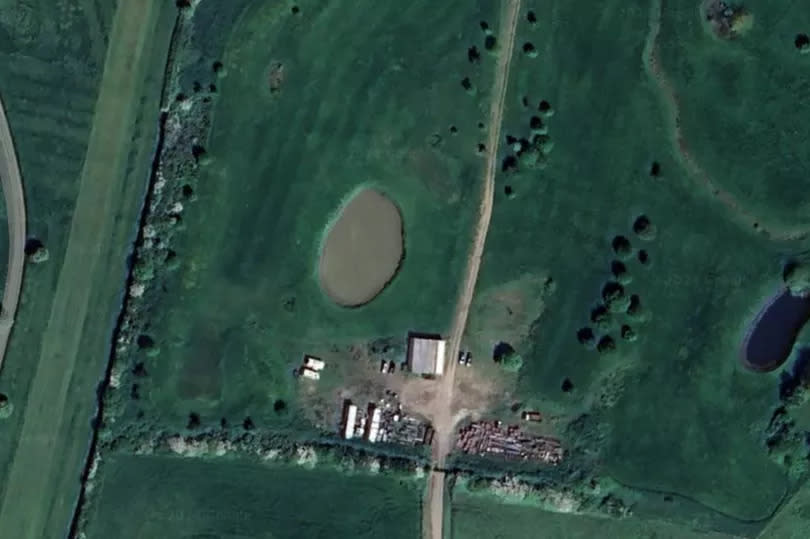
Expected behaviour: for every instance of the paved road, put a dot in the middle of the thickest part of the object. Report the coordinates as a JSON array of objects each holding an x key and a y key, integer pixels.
[
  {"x": 443, "y": 419},
  {"x": 15, "y": 209}
]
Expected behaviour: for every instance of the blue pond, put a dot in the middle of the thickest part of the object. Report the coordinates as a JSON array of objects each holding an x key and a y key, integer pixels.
[{"x": 770, "y": 337}]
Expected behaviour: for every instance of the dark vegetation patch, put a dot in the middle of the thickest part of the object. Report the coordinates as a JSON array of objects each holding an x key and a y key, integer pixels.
[
  {"x": 490, "y": 43},
  {"x": 509, "y": 164},
  {"x": 468, "y": 86},
  {"x": 601, "y": 318},
  {"x": 614, "y": 297},
  {"x": 619, "y": 271},
  {"x": 644, "y": 228},
  {"x": 567, "y": 385},
  {"x": 200, "y": 371},
  {"x": 802, "y": 42},
  {"x": 145, "y": 342},
  {"x": 531, "y": 17},
  {"x": 727, "y": 18},
  {"x": 634, "y": 309},
  {"x": 586, "y": 337},
  {"x": 193, "y": 421},
  {"x": 644, "y": 257},
  {"x": 473, "y": 55},
  {"x": 628, "y": 333},
  {"x": 621, "y": 247},
  {"x": 32, "y": 245},
  {"x": 606, "y": 345},
  {"x": 529, "y": 50},
  {"x": 655, "y": 169}
]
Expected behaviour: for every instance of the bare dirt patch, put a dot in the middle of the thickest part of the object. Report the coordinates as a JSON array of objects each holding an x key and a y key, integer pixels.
[
  {"x": 506, "y": 312},
  {"x": 362, "y": 250},
  {"x": 276, "y": 76}
]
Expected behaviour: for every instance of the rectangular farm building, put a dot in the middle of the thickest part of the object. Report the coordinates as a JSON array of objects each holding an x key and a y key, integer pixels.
[
  {"x": 426, "y": 355},
  {"x": 350, "y": 418}
]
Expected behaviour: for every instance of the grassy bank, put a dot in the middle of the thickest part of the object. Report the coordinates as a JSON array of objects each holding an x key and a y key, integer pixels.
[
  {"x": 194, "y": 497},
  {"x": 476, "y": 516}
]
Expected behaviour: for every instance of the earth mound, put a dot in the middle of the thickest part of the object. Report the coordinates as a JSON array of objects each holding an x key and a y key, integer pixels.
[{"x": 362, "y": 250}]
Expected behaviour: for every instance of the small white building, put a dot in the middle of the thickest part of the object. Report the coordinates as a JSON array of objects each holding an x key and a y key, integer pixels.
[
  {"x": 374, "y": 427},
  {"x": 311, "y": 374},
  {"x": 426, "y": 355},
  {"x": 351, "y": 419},
  {"x": 313, "y": 363}
]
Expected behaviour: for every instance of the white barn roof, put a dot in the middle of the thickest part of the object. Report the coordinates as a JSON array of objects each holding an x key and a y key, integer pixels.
[{"x": 426, "y": 355}]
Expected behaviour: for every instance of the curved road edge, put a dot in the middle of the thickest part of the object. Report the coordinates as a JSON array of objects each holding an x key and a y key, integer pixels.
[{"x": 15, "y": 209}]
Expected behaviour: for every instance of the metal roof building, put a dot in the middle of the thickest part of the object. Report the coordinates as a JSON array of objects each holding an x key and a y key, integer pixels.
[{"x": 426, "y": 355}]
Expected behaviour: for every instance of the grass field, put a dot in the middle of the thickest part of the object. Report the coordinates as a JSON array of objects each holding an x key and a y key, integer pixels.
[
  {"x": 688, "y": 417},
  {"x": 246, "y": 303},
  {"x": 793, "y": 520},
  {"x": 84, "y": 142},
  {"x": 50, "y": 107},
  {"x": 484, "y": 517},
  {"x": 176, "y": 497},
  {"x": 753, "y": 140}
]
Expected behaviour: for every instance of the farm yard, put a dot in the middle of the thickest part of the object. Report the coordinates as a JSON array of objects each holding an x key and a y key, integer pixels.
[
  {"x": 246, "y": 300},
  {"x": 243, "y": 215},
  {"x": 177, "y": 497}
]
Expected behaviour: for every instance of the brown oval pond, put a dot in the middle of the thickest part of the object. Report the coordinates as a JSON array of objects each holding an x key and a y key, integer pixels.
[
  {"x": 362, "y": 250},
  {"x": 770, "y": 337}
]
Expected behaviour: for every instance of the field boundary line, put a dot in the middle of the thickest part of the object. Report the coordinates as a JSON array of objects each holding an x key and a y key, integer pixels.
[
  {"x": 37, "y": 468},
  {"x": 15, "y": 208},
  {"x": 443, "y": 420},
  {"x": 672, "y": 105}
]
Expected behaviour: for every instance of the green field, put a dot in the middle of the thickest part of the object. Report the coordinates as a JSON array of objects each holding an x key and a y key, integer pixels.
[
  {"x": 689, "y": 419},
  {"x": 49, "y": 93},
  {"x": 84, "y": 124},
  {"x": 484, "y": 517},
  {"x": 245, "y": 303},
  {"x": 752, "y": 142},
  {"x": 175, "y": 497}
]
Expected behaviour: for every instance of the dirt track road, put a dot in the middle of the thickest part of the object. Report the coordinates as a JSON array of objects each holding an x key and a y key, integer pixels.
[
  {"x": 443, "y": 419},
  {"x": 15, "y": 209}
]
